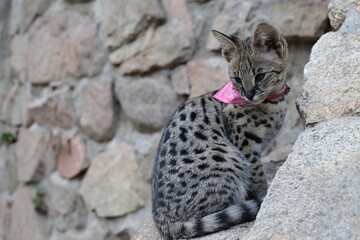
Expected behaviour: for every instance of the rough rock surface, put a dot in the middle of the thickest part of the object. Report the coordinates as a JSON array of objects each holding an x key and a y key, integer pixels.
[
  {"x": 180, "y": 80},
  {"x": 315, "y": 193},
  {"x": 72, "y": 157},
  {"x": 331, "y": 77},
  {"x": 207, "y": 75},
  {"x": 65, "y": 204},
  {"x": 122, "y": 22},
  {"x": 113, "y": 186},
  {"x": 24, "y": 12},
  {"x": 305, "y": 19},
  {"x": 36, "y": 152},
  {"x": 25, "y": 222},
  {"x": 58, "y": 48},
  {"x": 97, "y": 115},
  {"x": 54, "y": 109},
  {"x": 337, "y": 11},
  {"x": 150, "y": 51},
  {"x": 153, "y": 107}
]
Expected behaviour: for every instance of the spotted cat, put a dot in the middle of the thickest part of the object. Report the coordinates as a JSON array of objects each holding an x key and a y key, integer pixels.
[{"x": 207, "y": 174}]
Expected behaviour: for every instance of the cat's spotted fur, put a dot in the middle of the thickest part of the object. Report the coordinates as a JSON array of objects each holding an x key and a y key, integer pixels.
[{"x": 207, "y": 174}]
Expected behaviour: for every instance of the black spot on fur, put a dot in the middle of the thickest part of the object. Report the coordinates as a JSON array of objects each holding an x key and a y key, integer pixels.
[
  {"x": 200, "y": 135},
  {"x": 244, "y": 143},
  {"x": 239, "y": 115},
  {"x": 163, "y": 152},
  {"x": 203, "y": 166},
  {"x": 192, "y": 116},
  {"x": 161, "y": 164},
  {"x": 182, "y": 117},
  {"x": 218, "y": 158},
  {"x": 167, "y": 136},
  {"x": 184, "y": 152},
  {"x": 217, "y": 132},
  {"x": 199, "y": 150},
  {"x": 181, "y": 108},
  {"x": 187, "y": 160},
  {"x": 172, "y": 162},
  {"x": 219, "y": 150},
  {"x": 253, "y": 137},
  {"x": 217, "y": 119}
]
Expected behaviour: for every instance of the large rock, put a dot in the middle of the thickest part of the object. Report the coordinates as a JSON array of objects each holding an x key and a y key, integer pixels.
[
  {"x": 147, "y": 102},
  {"x": 332, "y": 87},
  {"x": 149, "y": 232},
  {"x": 207, "y": 75},
  {"x": 150, "y": 50},
  {"x": 315, "y": 194},
  {"x": 8, "y": 173},
  {"x": 57, "y": 48},
  {"x": 24, "y": 12},
  {"x": 14, "y": 108},
  {"x": 72, "y": 157},
  {"x": 25, "y": 222},
  {"x": 66, "y": 207},
  {"x": 305, "y": 19},
  {"x": 114, "y": 186},
  {"x": 36, "y": 152},
  {"x": 54, "y": 109},
  {"x": 123, "y": 21},
  {"x": 337, "y": 11},
  {"x": 96, "y": 111}
]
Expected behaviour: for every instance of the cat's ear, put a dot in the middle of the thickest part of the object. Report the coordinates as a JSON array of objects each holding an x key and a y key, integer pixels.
[
  {"x": 228, "y": 44},
  {"x": 267, "y": 39}
]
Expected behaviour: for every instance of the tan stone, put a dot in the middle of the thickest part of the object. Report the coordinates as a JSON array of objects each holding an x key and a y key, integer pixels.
[
  {"x": 113, "y": 185},
  {"x": 58, "y": 48},
  {"x": 96, "y": 111},
  {"x": 207, "y": 75},
  {"x": 25, "y": 222},
  {"x": 54, "y": 109},
  {"x": 332, "y": 87},
  {"x": 150, "y": 51},
  {"x": 315, "y": 194},
  {"x": 123, "y": 21},
  {"x": 72, "y": 157},
  {"x": 36, "y": 152}
]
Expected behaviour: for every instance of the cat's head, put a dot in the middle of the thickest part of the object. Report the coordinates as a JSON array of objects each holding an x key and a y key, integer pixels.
[{"x": 257, "y": 65}]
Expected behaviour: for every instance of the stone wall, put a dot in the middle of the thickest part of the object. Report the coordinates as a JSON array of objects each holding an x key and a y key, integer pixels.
[{"x": 87, "y": 86}]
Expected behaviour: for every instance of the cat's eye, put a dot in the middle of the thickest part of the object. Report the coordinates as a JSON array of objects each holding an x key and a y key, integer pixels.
[
  {"x": 259, "y": 77},
  {"x": 237, "y": 79}
]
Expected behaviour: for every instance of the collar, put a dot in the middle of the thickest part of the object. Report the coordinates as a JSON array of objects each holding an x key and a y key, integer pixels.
[{"x": 228, "y": 94}]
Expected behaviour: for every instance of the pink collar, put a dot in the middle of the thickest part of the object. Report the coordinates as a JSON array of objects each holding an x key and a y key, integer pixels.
[{"x": 228, "y": 94}]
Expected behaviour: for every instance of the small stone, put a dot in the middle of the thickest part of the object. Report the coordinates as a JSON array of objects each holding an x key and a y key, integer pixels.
[
  {"x": 72, "y": 159},
  {"x": 315, "y": 194},
  {"x": 66, "y": 207},
  {"x": 36, "y": 152},
  {"x": 180, "y": 80},
  {"x": 25, "y": 222},
  {"x": 207, "y": 75},
  {"x": 150, "y": 51},
  {"x": 332, "y": 86},
  {"x": 153, "y": 107},
  {"x": 97, "y": 115},
  {"x": 54, "y": 109},
  {"x": 114, "y": 186}
]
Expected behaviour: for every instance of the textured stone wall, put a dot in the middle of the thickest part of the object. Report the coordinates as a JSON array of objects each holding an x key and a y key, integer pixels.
[{"x": 87, "y": 86}]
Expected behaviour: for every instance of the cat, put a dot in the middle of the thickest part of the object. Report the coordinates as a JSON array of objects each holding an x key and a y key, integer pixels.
[{"x": 207, "y": 174}]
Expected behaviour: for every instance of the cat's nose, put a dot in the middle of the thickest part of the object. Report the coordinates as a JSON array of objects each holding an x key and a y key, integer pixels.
[{"x": 250, "y": 94}]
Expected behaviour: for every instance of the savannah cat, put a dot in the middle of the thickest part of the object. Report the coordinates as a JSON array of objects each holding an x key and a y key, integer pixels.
[{"x": 207, "y": 174}]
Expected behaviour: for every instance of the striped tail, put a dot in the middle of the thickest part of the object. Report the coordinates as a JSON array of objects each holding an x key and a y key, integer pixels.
[{"x": 226, "y": 218}]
